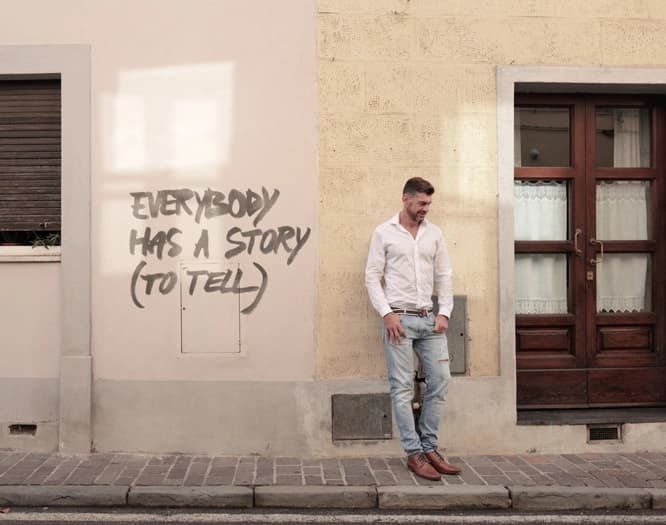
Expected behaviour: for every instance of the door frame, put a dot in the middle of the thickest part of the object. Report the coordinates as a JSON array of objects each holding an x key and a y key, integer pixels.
[
  {"x": 586, "y": 374},
  {"x": 544, "y": 79}
]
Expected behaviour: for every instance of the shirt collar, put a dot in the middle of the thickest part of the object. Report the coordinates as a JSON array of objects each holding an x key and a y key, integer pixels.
[{"x": 396, "y": 220}]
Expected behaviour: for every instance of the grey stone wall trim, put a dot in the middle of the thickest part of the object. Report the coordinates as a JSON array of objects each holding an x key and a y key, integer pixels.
[
  {"x": 63, "y": 496},
  {"x": 604, "y": 79},
  {"x": 72, "y": 62},
  {"x": 579, "y": 498},
  {"x": 202, "y": 497},
  {"x": 75, "y": 409},
  {"x": 449, "y": 497},
  {"x": 305, "y": 497},
  {"x": 75, "y": 418}
]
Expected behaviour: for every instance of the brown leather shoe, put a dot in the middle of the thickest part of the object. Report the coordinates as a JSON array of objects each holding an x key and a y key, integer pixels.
[
  {"x": 440, "y": 464},
  {"x": 420, "y": 466}
]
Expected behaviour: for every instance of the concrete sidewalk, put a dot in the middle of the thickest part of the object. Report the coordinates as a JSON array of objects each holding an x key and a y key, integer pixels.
[{"x": 519, "y": 482}]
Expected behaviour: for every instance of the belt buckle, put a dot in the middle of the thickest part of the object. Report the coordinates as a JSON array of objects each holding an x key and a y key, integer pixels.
[{"x": 423, "y": 312}]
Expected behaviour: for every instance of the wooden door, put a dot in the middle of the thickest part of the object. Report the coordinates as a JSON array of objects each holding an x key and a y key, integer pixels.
[{"x": 589, "y": 197}]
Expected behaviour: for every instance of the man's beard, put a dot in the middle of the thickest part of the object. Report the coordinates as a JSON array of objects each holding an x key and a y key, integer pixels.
[{"x": 414, "y": 216}]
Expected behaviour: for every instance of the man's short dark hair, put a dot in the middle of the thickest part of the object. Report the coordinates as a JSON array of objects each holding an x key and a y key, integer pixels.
[{"x": 418, "y": 185}]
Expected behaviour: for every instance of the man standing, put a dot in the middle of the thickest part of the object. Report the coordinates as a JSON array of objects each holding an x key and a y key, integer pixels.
[{"x": 407, "y": 262}]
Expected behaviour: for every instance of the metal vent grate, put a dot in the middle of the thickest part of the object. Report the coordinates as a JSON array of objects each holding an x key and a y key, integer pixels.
[
  {"x": 23, "y": 429},
  {"x": 361, "y": 416},
  {"x": 604, "y": 433}
]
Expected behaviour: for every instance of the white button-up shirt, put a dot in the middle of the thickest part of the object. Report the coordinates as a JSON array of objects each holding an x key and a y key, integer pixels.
[{"x": 403, "y": 271}]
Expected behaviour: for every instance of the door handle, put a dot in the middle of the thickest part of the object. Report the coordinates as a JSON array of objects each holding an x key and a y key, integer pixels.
[
  {"x": 599, "y": 258},
  {"x": 577, "y": 235}
]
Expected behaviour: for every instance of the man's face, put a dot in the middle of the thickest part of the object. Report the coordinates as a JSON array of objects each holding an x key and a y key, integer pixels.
[{"x": 416, "y": 206}]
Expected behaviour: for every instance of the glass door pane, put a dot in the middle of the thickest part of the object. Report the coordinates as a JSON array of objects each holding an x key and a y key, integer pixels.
[
  {"x": 623, "y": 137},
  {"x": 540, "y": 210},
  {"x": 541, "y": 283},
  {"x": 542, "y": 136},
  {"x": 623, "y": 210},
  {"x": 624, "y": 283}
]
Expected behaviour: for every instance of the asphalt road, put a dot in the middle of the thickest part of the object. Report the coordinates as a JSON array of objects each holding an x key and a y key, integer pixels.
[{"x": 122, "y": 517}]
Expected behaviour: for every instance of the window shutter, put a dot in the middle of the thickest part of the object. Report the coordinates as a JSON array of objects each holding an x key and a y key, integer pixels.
[{"x": 30, "y": 158}]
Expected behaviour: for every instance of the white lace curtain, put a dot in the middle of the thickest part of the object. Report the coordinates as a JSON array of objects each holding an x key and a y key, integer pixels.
[
  {"x": 541, "y": 279},
  {"x": 621, "y": 206},
  {"x": 622, "y": 211}
]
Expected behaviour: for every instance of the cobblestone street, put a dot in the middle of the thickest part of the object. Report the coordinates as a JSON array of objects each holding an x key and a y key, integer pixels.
[{"x": 631, "y": 470}]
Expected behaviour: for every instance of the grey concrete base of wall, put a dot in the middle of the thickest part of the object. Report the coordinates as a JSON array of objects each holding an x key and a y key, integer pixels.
[
  {"x": 579, "y": 498},
  {"x": 75, "y": 396},
  {"x": 127, "y": 416},
  {"x": 44, "y": 439},
  {"x": 33, "y": 401},
  {"x": 294, "y": 418}
]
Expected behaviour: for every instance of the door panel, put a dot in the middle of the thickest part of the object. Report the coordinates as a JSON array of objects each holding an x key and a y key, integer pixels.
[
  {"x": 554, "y": 344},
  {"x": 552, "y": 388},
  {"x": 589, "y": 239},
  {"x": 619, "y": 387}
]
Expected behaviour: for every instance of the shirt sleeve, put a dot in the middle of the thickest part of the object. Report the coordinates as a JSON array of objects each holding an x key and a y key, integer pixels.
[
  {"x": 374, "y": 273},
  {"x": 443, "y": 279}
]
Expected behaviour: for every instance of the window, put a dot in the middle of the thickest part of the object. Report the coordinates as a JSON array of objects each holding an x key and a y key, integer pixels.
[{"x": 30, "y": 160}]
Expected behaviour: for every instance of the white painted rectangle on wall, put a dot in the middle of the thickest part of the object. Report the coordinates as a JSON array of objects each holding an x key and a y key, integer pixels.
[{"x": 210, "y": 321}]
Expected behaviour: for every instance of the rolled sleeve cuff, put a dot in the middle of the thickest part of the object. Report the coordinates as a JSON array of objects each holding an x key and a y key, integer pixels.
[
  {"x": 385, "y": 310},
  {"x": 445, "y": 309}
]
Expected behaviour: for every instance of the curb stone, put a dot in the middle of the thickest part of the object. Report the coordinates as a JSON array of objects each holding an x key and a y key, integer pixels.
[
  {"x": 658, "y": 498},
  {"x": 320, "y": 497},
  {"x": 444, "y": 497},
  {"x": 63, "y": 496},
  {"x": 578, "y": 498},
  {"x": 458, "y": 497},
  {"x": 211, "y": 497}
]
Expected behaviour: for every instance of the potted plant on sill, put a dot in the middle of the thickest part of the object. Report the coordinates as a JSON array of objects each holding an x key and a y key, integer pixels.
[{"x": 46, "y": 240}]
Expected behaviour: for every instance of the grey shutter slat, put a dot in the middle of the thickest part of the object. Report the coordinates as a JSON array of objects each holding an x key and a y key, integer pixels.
[{"x": 30, "y": 155}]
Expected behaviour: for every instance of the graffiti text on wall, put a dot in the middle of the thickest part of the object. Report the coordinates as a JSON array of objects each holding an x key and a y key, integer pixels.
[{"x": 204, "y": 206}]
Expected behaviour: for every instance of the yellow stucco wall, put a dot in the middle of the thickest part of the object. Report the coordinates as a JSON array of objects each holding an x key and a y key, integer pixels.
[{"x": 406, "y": 88}]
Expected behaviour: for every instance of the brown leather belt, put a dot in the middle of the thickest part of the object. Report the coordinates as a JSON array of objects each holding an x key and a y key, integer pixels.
[{"x": 423, "y": 312}]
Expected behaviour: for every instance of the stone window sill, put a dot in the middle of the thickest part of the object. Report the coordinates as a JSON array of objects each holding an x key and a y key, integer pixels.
[{"x": 29, "y": 254}]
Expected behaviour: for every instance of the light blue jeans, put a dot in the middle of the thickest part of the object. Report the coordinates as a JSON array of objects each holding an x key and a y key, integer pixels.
[{"x": 433, "y": 354}]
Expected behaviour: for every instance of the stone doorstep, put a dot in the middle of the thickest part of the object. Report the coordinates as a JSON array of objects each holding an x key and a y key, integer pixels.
[
  {"x": 453, "y": 497},
  {"x": 62, "y": 496},
  {"x": 316, "y": 497},
  {"x": 549, "y": 498}
]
